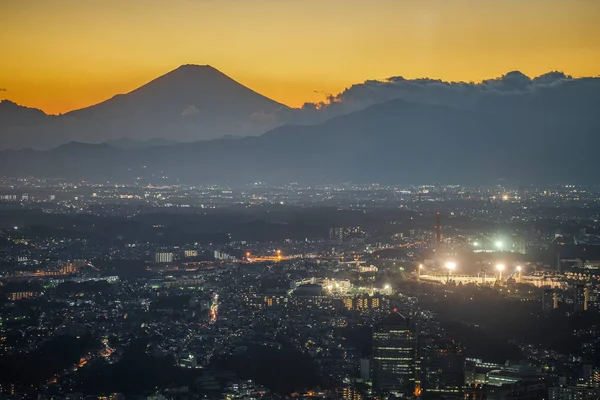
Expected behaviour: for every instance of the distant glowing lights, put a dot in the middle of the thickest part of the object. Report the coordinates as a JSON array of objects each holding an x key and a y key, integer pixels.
[
  {"x": 450, "y": 265},
  {"x": 500, "y": 268}
]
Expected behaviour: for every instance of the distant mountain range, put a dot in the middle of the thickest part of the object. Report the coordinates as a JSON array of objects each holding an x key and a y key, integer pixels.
[
  {"x": 126, "y": 143},
  {"x": 394, "y": 142},
  {"x": 544, "y": 129}
]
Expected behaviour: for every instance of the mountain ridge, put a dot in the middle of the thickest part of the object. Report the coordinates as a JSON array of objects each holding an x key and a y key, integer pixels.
[
  {"x": 392, "y": 142},
  {"x": 197, "y": 103},
  {"x": 189, "y": 103},
  {"x": 180, "y": 86}
]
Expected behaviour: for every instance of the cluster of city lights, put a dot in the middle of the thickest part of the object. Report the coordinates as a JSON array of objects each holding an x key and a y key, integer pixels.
[
  {"x": 498, "y": 243},
  {"x": 451, "y": 266}
]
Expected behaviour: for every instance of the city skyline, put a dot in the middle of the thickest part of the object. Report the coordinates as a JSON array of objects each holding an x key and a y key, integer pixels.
[
  {"x": 310, "y": 200},
  {"x": 66, "y": 55}
]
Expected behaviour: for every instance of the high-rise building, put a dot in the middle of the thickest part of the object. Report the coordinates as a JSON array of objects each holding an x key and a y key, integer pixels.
[
  {"x": 442, "y": 366},
  {"x": 362, "y": 302},
  {"x": 528, "y": 389},
  {"x": 594, "y": 378},
  {"x": 221, "y": 255},
  {"x": 350, "y": 393},
  {"x": 580, "y": 298},
  {"x": 336, "y": 234},
  {"x": 394, "y": 356},
  {"x": 549, "y": 300},
  {"x": 365, "y": 368},
  {"x": 574, "y": 393},
  {"x": 190, "y": 253},
  {"x": 275, "y": 300},
  {"x": 163, "y": 257}
]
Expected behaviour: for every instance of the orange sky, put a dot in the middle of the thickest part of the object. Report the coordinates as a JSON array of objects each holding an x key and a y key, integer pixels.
[{"x": 60, "y": 55}]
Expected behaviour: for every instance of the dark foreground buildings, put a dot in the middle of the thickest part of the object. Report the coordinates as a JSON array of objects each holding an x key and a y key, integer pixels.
[
  {"x": 394, "y": 355},
  {"x": 412, "y": 359}
]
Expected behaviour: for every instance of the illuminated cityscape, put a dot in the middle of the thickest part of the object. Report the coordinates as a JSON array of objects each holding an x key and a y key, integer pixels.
[
  {"x": 368, "y": 291},
  {"x": 300, "y": 200}
]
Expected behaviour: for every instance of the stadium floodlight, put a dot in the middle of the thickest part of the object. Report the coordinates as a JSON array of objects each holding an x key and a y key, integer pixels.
[{"x": 500, "y": 268}]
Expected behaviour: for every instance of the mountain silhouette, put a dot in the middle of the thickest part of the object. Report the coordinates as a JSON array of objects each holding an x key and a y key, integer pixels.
[
  {"x": 190, "y": 103},
  {"x": 126, "y": 143},
  {"x": 542, "y": 129},
  {"x": 392, "y": 142},
  {"x": 12, "y": 114},
  {"x": 190, "y": 91}
]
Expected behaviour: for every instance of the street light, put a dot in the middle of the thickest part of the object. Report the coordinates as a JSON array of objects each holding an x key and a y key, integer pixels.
[
  {"x": 500, "y": 268},
  {"x": 419, "y": 270},
  {"x": 519, "y": 269},
  {"x": 499, "y": 244}
]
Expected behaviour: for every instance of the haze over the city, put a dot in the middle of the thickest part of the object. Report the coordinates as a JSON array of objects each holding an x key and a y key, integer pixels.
[{"x": 299, "y": 199}]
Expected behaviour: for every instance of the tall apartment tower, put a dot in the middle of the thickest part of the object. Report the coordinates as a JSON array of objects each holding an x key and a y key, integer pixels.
[{"x": 394, "y": 356}]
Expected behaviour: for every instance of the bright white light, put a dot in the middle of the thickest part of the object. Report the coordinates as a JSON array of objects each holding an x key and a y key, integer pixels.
[
  {"x": 500, "y": 267},
  {"x": 475, "y": 244},
  {"x": 337, "y": 284},
  {"x": 450, "y": 265},
  {"x": 499, "y": 244},
  {"x": 519, "y": 268},
  {"x": 420, "y": 266},
  {"x": 386, "y": 287},
  {"x": 329, "y": 287}
]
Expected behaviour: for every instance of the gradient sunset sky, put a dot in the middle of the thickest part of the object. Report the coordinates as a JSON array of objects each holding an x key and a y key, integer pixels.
[{"x": 60, "y": 55}]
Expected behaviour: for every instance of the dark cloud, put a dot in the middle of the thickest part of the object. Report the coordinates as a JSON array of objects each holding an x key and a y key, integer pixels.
[{"x": 511, "y": 89}]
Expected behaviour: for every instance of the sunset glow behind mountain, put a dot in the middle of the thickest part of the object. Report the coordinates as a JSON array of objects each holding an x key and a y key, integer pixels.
[{"x": 60, "y": 55}]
